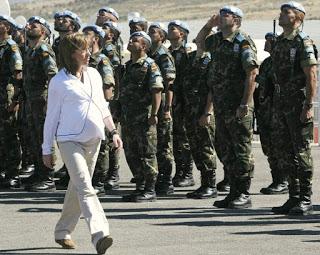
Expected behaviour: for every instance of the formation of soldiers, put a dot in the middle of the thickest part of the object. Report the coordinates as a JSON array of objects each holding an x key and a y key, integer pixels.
[{"x": 175, "y": 106}]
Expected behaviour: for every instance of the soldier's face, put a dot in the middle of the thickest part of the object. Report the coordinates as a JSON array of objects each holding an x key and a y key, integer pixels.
[
  {"x": 103, "y": 16},
  {"x": 4, "y": 27},
  {"x": 109, "y": 35},
  {"x": 135, "y": 28},
  {"x": 34, "y": 30},
  {"x": 81, "y": 57},
  {"x": 63, "y": 24},
  {"x": 135, "y": 44},
  {"x": 287, "y": 17},
  {"x": 18, "y": 36},
  {"x": 268, "y": 45},
  {"x": 174, "y": 33},
  {"x": 90, "y": 36},
  {"x": 226, "y": 20},
  {"x": 155, "y": 34}
]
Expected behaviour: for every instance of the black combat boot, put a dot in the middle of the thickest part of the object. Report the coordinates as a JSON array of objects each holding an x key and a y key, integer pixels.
[
  {"x": 208, "y": 186},
  {"x": 149, "y": 193},
  {"x": 62, "y": 183},
  {"x": 286, "y": 207},
  {"x": 62, "y": 172},
  {"x": 27, "y": 169},
  {"x": 98, "y": 184},
  {"x": 242, "y": 200},
  {"x": 224, "y": 203},
  {"x": 11, "y": 182},
  {"x": 164, "y": 185},
  {"x": 223, "y": 186},
  {"x": 279, "y": 184},
  {"x": 187, "y": 177},
  {"x": 139, "y": 190},
  {"x": 47, "y": 185},
  {"x": 178, "y": 176},
  {"x": 112, "y": 180},
  {"x": 304, "y": 207}
]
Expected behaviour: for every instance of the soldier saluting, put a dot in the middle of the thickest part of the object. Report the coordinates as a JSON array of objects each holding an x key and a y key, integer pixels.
[{"x": 294, "y": 60}]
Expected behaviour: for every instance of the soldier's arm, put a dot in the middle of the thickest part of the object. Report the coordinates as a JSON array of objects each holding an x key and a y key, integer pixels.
[
  {"x": 49, "y": 65},
  {"x": 311, "y": 83},
  {"x": 208, "y": 112},
  {"x": 16, "y": 69},
  {"x": 205, "y": 31},
  {"x": 156, "y": 86},
  {"x": 107, "y": 75}
]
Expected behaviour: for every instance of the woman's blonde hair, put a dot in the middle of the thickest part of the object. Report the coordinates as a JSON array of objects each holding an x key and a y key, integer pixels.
[{"x": 68, "y": 45}]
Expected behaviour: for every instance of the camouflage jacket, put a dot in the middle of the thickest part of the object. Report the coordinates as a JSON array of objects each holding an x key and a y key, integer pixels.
[
  {"x": 165, "y": 61},
  {"x": 195, "y": 88},
  {"x": 102, "y": 63},
  {"x": 111, "y": 51},
  {"x": 10, "y": 61},
  {"x": 265, "y": 87},
  {"x": 139, "y": 80},
  {"x": 290, "y": 55},
  {"x": 231, "y": 57},
  {"x": 40, "y": 67},
  {"x": 181, "y": 58},
  {"x": 55, "y": 47}
]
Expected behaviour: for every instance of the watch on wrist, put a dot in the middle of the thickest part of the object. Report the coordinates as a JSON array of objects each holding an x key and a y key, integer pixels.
[
  {"x": 114, "y": 132},
  {"x": 308, "y": 106},
  {"x": 154, "y": 114}
]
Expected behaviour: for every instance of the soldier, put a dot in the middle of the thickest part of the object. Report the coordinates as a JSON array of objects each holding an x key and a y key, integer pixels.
[
  {"x": 232, "y": 81},
  {"x": 10, "y": 81},
  {"x": 165, "y": 61},
  {"x": 177, "y": 34},
  {"x": 200, "y": 124},
  {"x": 112, "y": 34},
  {"x": 65, "y": 22},
  {"x": 106, "y": 14},
  {"x": 101, "y": 62},
  {"x": 138, "y": 24},
  {"x": 294, "y": 61},
  {"x": 27, "y": 166},
  {"x": 40, "y": 67},
  {"x": 140, "y": 98},
  {"x": 263, "y": 96}
]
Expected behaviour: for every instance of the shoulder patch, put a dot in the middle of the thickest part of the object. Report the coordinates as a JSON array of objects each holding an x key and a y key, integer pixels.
[
  {"x": 105, "y": 61},
  {"x": 11, "y": 42},
  {"x": 302, "y": 35},
  {"x": 14, "y": 47},
  {"x": 44, "y": 47},
  {"x": 240, "y": 37},
  {"x": 45, "y": 54},
  {"x": 154, "y": 67}
]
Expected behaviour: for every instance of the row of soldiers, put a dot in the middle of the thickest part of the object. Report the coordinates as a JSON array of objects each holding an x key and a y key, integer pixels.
[{"x": 180, "y": 106}]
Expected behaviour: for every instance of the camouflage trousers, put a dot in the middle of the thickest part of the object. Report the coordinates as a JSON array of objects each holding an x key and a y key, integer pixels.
[
  {"x": 293, "y": 140},
  {"x": 140, "y": 148},
  {"x": 267, "y": 125},
  {"x": 24, "y": 135},
  {"x": 236, "y": 134},
  {"x": 201, "y": 141},
  {"x": 36, "y": 117},
  {"x": 181, "y": 147},
  {"x": 164, "y": 144},
  {"x": 10, "y": 154},
  {"x": 221, "y": 151},
  {"x": 108, "y": 158}
]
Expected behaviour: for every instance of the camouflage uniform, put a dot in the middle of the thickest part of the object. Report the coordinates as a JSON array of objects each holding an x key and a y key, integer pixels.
[
  {"x": 165, "y": 61},
  {"x": 201, "y": 139},
  {"x": 10, "y": 62},
  {"x": 102, "y": 63},
  {"x": 266, "y": 124},
  {"x": 290, "y": 54},
  {"x": 181, "y": 146},
  {"x": 40, "y": 67},
  {"x": 139, "y": 138},
  {"x": 232, "y": 56},
  {"x": 55, "y": 47}
]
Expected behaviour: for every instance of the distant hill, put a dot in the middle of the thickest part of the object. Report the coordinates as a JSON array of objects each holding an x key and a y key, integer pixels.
[{"x": 163, "y": 10}]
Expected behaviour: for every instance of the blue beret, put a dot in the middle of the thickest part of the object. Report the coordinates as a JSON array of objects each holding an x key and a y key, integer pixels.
[
  {"x": 233, "y": 10},
  {"x": 111, "y": 25},
  {"x": 159, "y": 25},
  {"x": 58, "y": 14},
  {"x": 98, "y": 30},
  {"x": 10, "y": 20},
  {"x": 137, "y": 20},
  {"x": 111, "y": 11},
  {"x": 180, "y": 24},
  {"x": 141, "y": 34},
  {"x": 294, "y": 5},
  {"x": 41, "y": 21},
  {"x": 74, "y": 17}
]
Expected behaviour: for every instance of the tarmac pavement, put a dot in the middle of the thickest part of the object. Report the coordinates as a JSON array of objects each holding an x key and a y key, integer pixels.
[{"x": 173, "y": 225}]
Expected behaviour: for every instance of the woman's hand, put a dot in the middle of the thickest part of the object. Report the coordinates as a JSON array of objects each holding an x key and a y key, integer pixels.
[
  {"x": 117, "y": 142},
  {"x": 48, "y": 161}
]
